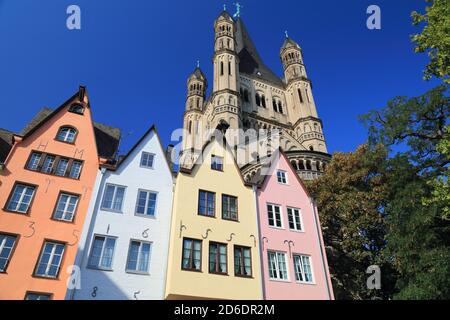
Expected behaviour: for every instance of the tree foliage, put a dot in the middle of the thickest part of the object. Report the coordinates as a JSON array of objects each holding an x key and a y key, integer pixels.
[{"x": 435, "y": 38}]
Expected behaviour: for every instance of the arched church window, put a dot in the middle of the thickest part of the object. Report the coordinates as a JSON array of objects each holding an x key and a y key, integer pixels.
[
  {"x": 221, "y": 68},
  {"x": 308, "y": 164},
  {"x": 311, "y": 148},
  {"x": 246, "y": 96},
  {"x": 190, "y": 126},
  {"x": 302, "y": 165},
  {"x": 274, "y": 104},
  {"x": 263, "y": 101},
  {"x": 258, "y": 100},
  {"x": 229, "y": 68}
]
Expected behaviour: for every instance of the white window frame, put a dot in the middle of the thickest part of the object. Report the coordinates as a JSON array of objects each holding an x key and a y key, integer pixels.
[
  {"x": 302, "y": 271},
  {"x": 113, "y": 198},
  {"x": 51, "y": 166},
  {"x": 277, "y": 266},
  {"x": 99, "y": 267},
  {"x": 145, "y": 215},
  {"x": 3, "y": 246},
  {"x": 142, "y": 158},
  {"x": 300, "y": 219},
  {"x": 139, "y": 257},
  {"x": 50, "y": 260},
  {"x": 284, "y": 175},
  {"x": 65, "y": 212},
  {"x": 273, "y": 205},
  {"x": 214, "y": 162},
  {"x": 22, "y": 195},
  {"x": 38, "y": 295}
]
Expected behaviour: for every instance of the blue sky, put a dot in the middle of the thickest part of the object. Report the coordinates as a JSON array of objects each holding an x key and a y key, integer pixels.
[{"x": 135, "y": 56}]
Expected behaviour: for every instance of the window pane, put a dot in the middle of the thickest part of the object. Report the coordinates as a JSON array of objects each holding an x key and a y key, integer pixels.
[
  {"x": 144, "y": 257},
  {"x": 133, "y": 256},
  {"x": 6, "y": 245},
  {"x": 151, "y": 204},
  {"x": 142, "y": 201},
  {"x": 34, "y": 161},
  {"x": 108, "y": 251},
  {"x": 36, "y": 296},
  {"x": 108, "y": 197},
  {"x": 21, "y": 198},
  {"x": 47, "y": 167},
  {"x": 75, "y": 170},
  {"x": 96, "y": 252},
  {"x": 62, "y": 167},
  {"x": 118, "y": 198}
]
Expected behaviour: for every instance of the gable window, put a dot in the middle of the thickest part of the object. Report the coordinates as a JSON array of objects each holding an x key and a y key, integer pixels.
[
  {"x": 229, "y": 207},
  {"x": 242, "y": 261},
  {"x": 66, "y": 206},
  {"x": 217, "y": 258},
  {"x": 192, "y": 255},
  {"x": 303, "y": 270},
  {"x": 274, "y": 215},
  {"x": 33, "y": 162},
  {"x": 7, "y": 243},
  {"x": 76, "y": 108},
  {"x": 138, "y": 256},
  {"x": 38, "y": 296},
  {"x": 102, "y": 252},
  {"x": 216, "y": 163},
  {"x": 49, "y": 162},
  {"x": 146, "y": 203},
  {"x": 20, "y": 199},
  {"x": 147, "y": 160},
  {"x": 281, "y": 177},
  {"x": 75, "y": 170},
  {"x": 50, "y": 259},
  {"x": 206, "y": 203},
  {"x": 277, "y": 266},
  {"x": 295, "y": 222},
  {"x": 113, "y": 198},
  {"x": 66, "y": 134},
  {"x": 62, "y": 166}
]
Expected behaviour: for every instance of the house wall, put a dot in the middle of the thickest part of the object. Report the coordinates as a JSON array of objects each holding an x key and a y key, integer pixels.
[
  {"x": 307, "y": 242},
  {"x": 37, "y": 225},
  {"x": 118, "y": 283},
  {"x": 193, "y": 285}
]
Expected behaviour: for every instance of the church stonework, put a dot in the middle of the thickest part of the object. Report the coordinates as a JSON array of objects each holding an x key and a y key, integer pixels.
[{"x": 246, "y": 95}]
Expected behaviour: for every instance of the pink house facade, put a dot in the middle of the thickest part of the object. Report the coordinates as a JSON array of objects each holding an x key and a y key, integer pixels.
[{"x": 293, "y": 258}]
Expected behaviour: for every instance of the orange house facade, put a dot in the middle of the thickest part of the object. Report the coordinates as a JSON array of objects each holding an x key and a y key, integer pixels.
[{"x": 46, "y": 184}]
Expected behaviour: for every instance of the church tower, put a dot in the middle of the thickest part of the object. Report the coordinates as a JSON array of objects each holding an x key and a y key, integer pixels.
[
  {"x": 193, "y": 124},
  {"x": 225, "y": 95},
  {"x": 308, "y": 126},
  {"x": 246, "y": 94}
]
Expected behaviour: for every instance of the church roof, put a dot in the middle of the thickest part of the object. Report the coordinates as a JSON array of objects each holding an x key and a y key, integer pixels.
[
  {"x": 288, "y": 43},
  {"x": 198, "y": 73},
  {"x": 250, "y": 61},
  {"x": 225, "y": 15}
]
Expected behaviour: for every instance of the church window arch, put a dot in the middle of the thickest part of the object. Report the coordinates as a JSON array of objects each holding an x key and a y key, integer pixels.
[{"x": 221, "y": 68}]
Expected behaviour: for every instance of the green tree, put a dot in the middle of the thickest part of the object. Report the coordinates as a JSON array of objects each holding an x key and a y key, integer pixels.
[
  {"x": 435, "y": 38},
  {"x": 350, "y": 197},
  {"x": 418, "y": 239}
]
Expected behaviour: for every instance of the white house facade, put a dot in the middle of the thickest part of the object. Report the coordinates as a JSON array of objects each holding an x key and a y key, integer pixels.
[{"x": 123, "y": 249}]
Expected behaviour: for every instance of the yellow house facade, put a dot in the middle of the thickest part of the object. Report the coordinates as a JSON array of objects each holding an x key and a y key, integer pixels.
[{"x": 214, "y": 250}]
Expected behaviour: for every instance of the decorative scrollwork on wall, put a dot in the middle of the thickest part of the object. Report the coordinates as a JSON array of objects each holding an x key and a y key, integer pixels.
[
  {"x": 231, "y": 237},
  {"x": 254, "y": 240},
  {"x": 182, "y": 226},
  {"x": 264, "y": 240},
  {"x": 289, "y": 243},
  {"x": 207, "y": 233},
  {"x": 94, "y": 292},
  {"x": 31, "y": 226},
  {"x": 75, "y": 234}
]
